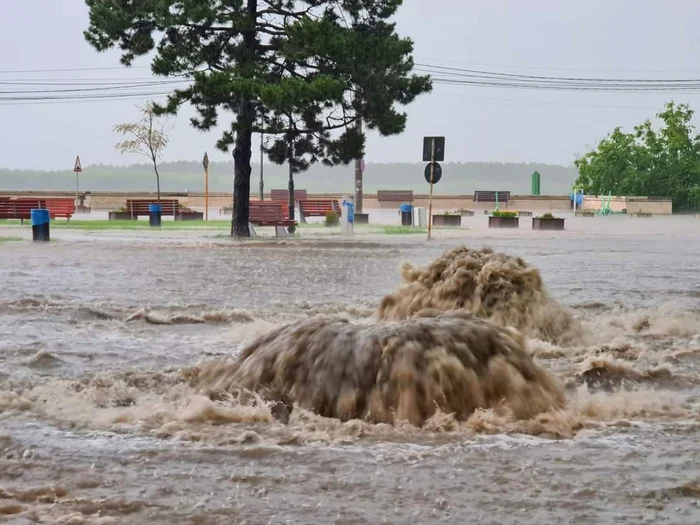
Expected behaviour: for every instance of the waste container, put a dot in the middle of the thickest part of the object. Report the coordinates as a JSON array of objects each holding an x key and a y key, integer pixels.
[
  {"x": 154, "y": 212},
  {"x": 406, "y": 211},
  {"x": 40, "y": 224}
]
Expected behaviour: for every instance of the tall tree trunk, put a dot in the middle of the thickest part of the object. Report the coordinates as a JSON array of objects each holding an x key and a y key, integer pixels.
[
  {"x": 242, "y": 151},
  {"x": 155, "y": 168},
  {"x": 290, "y": 186},
  {"x": 241, "y": 180}
]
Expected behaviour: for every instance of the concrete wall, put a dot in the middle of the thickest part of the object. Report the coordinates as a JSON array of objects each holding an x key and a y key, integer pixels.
[
  {"x": 104, "y": 200},
  {"x": 653, "y": 205}
]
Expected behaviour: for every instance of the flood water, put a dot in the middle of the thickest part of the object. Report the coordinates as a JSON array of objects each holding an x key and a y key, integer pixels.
[{"x": 99, "y": 424}]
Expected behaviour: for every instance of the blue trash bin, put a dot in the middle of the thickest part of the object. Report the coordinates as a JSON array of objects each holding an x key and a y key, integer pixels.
[
  {"x": 406, "y": 211},
  {"x": 40, "y": 225},
  {"x": 154, "y": 214}
]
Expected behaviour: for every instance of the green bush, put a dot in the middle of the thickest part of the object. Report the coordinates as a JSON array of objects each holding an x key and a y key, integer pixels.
[
  {"x": 548, "y": 216},
  {"x": 505, "y": 214},
  {"x": 332, "y": 219}
]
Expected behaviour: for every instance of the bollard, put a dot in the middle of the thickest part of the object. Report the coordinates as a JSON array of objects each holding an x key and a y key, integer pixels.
[
  {"x": 40, "y": 225},
  {"x": 154, "y": 212}
]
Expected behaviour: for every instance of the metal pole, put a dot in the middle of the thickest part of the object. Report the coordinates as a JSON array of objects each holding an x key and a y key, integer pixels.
[
  {"x": 430, "y": 201},
  {"x": 206, "y": 194},
  {"x": 205, "y": 165},
  {"x": 77, "y": 202},
  {"x": 358, "y": 175}
]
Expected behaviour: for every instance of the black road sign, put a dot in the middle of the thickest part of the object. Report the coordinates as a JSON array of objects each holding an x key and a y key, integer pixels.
[
  {"x": 439, "y": 149},
  {"x": 437, "y": 173}
]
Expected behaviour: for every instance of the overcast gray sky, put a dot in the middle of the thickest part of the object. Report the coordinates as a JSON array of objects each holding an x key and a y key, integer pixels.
[{"x": 596, "y": 38}]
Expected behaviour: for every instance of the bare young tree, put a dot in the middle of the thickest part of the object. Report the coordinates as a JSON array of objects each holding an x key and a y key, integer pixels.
[{"x": 148, "y": 137}]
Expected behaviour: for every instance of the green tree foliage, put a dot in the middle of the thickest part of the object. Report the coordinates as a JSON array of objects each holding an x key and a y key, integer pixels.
[
  {"x": 303, "y": 71},
  {"x": 656, "y": 163}
]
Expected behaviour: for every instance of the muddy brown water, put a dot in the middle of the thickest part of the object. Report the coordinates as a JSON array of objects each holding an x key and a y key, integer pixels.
[{"x": 100, "y": 424}]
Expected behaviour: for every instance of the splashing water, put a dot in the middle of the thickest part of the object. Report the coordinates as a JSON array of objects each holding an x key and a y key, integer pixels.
[
  {"x": 392, "y": 372},
  {"x": 493, "y": 286}
]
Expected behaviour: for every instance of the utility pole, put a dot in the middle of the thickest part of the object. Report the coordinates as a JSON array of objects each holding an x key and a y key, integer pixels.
[{"x": 358, "y": 175}]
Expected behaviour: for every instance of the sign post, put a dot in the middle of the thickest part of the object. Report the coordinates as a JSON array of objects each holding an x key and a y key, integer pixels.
[
  {"x": 77, "y": 169},
  {"x": 347, "y": 218},
  {"x": 205, "y": 163},
  {"x": 433, "y": 151}
]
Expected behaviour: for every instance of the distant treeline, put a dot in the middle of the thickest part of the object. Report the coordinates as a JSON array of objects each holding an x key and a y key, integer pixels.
[{"x": 188, "y": 175}]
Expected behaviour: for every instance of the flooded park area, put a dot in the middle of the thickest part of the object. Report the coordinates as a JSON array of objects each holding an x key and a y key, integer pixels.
[{"x": 485, "y": 376}]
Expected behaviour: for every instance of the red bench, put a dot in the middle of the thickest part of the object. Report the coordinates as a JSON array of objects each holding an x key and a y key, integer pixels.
[
  {"x": 140, "y": 207},
  {"x": 271, "y": 213},
  {"x": 20, "y": 208},
  {"x": 62, "y": 208},
  {"x": 283, "y": 195},
  {"x": 317, "y": 208}
]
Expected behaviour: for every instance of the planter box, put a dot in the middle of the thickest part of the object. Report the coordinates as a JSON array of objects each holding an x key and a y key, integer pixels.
[
  {"x": 362, "y": 218},
  {"x": 584, "y": 214},
  {"x": 190, "y": 216},
  {"x": 447, "y": 220},
  {"x": 504, "y": 222},
  {"x": 120, "y": 216},
  {"x": 524, "y": 214},
  {"x": 547, "y": 224},
  {"x": 467, "y": 213}
]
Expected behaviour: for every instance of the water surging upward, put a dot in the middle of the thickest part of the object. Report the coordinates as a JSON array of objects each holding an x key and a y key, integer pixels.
[
  {"x": 494, "y": 286},
  {"x": 391, "y": 372}
]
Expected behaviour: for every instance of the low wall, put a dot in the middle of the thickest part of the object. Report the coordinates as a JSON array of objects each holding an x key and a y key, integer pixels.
[
  {"x": 653, "y": 205},
  {"x": 105, "y": 200}
]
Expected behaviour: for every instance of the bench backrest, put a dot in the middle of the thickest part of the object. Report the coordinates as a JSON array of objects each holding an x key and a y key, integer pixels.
[
  {"x": 318, "y": 207},
  {"x": 490, "y": 196},
  {"x": 283, "y": 195},
  {"x": 61, "y": 206},
  {"x": 397, "y": 196},
  {"x": 141, "y": 206},
  {"x": 267, "y": 211},
  {"x": 20, "y": 208}
]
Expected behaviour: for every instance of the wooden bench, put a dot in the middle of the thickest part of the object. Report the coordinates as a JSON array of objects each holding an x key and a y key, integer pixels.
[
  {"x": 490, "y": 196},
  {"x": 317, "y": 208},
  {"x": 20, "y": 208},
  {"x": 271, "y": 213},
  {"x": 63, "y": 208},
  {"x": 283, "y": 195},
  {"x": 394, "y": 198},
  {"x": 140, "y": 207}
]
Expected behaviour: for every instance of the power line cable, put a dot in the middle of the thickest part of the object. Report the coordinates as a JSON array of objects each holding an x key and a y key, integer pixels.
[{"x": 544, "y": 68}]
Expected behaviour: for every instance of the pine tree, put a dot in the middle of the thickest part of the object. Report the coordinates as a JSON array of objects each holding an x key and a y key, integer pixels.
[{"x": 303, "y": 71}]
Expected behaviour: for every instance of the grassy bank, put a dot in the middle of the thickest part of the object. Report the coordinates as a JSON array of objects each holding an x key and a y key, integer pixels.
[
  {"x": 126, "y": 225},
  {"x": 403, "y": 230}
]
